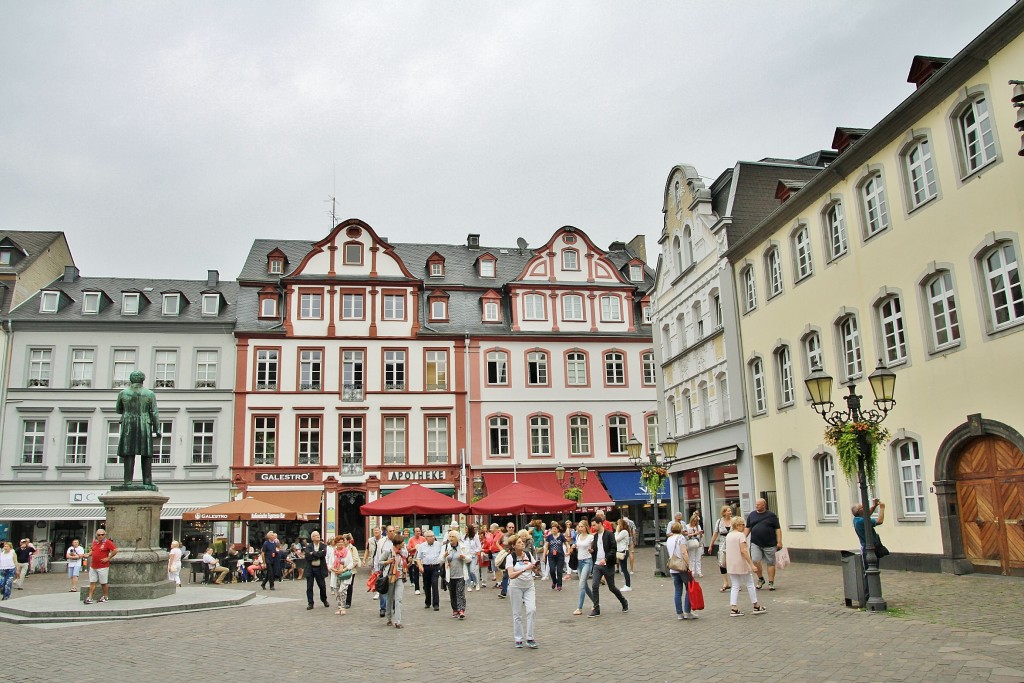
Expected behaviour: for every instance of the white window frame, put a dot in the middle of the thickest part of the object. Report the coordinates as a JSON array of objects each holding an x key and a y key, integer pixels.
[
  {"x": 76, "y": 442},
  {"x": 268, "y": 369},
  {"x": 649, "y": 368},
  {"x": 130, "y": 303},
  {"x": 310, "y": 305},
  {"x": 351, "y": 444},
  {"x": 162, "y": 444},
  {"x": 394, "y": 307},
  {"x": 91, "y": 303},
  {"x": 49, "y": 302},
  {"x": 892, "y": 327},
  {"x": 773, "y": 268},
  {"x": 207, "y": 368},
  {"x": 352, "y": 306},
  {"x": 537, "y": 368},
  {"x": 540, "y": 436},
  {"x": 576, "y": 374},
  {"x": 874, "y": 204},
  {"x": 113, "y": 437},
  {"x": 615, "y": 368},
  {"x": 311, "y": 370},
  {"x": 436, "y": 363},
  {"x": 802, "y": 255},
  {"x": 309, "y": 445},
  {"x": 83, "y": 368},
  {"x": 33, "y": 442},
  {"x": 492, "y": 312},
  {"x": 488, "y": 268},
  {"x": 636, "y": 273},
  {"x": 943, "y": 316},
  {"x": 497, "y": 368},
  {"x": 202, "y": 442},
  {"x": 749, "y": 289},
  {"x": 852, "y": 360},
  {"x": 837, "y": 240},
  {"x": 124, "y": 363},
  {"x": 579, "y": 435},
  {"x": 533, "y": 307},
  {"x": 759, "y": 395},
  {"x": 171, "y": 304},
  {"x": 353, "y": 370},
  {"x": 827, "y": 476},
  {"x": 264, "y": 440},
  {"x": 268, "y": 307},
  {"x": 976, "y": 136},
  {"x": 395, "y": 375},
  {"x": 499, "y": 429},
  {"x": 909, "y": 467},
  {"x": 919, "y": 173},
  {"x": 211, "y": 304},
  {"x": 572, "y": 308},
  {"x": 784, "y": 361},
  {"x": 570, "y": 259},
  {"x": 40, "y": 367},
  {"x": 165, "y": 362},
  {"x": 1004, "y": 294},
  {"x": 437, "y": 440},
  {"x": 611, "y": 309},
  {"x": 438, "y": 309},
  {"x": 618, "y": 434}
]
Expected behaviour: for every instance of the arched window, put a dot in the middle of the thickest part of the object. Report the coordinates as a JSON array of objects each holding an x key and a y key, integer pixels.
[
  {"x": 540, "y": 435},
  {"x": 851, "y": 361},
  {"x": 943, "y": 317},
  {"x": 803, "y": 262},
  {"x": 834, "y": 221},
  {"x": 749, "y": 289},
  {"x": 687, "y": 247},
  {"x": 1003, "y": 291},
  {"x": 910, "y": 471},
  {"x": 975, "y": 137},
  {"x": 784, "y": 375},
  {"x": 890, "y": 324},
  {"x": 757, "y": 386},
  {"x": 874, "y": 204},
  {"x": 919, "y": 172},
  {"x": 498, "y": 436},
  {"x": 579, "y": 435},
  {"x": 670, "y": 415},
  {"x": 828, "y": 490},
  {"x": 773, "y": 271},
  {"x": 796, "y": 504},
  {"x": 677, "y": 253}
]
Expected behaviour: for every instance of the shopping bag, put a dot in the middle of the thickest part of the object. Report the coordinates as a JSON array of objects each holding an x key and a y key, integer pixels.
[
  {"x": 696, "y": 596},
  {"x": 371, "y": 583},
  {"x": 782, "y": 558}
]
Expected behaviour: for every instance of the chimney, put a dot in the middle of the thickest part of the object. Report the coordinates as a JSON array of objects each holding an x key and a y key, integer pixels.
[
  {"x": 70, "y": 274},
  {"x": 638, "y": 246},
  {"x": 212, "y": 278},
  {"x": 473, "y": 241}
]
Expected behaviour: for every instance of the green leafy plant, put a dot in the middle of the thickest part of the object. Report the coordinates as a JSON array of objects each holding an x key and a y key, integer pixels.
[
  {"x": 474, "y": 499},
  {"x": 575, "y": 494},
  {"x": 651, "y": 477},
  {"x": 846, "y": 438}
]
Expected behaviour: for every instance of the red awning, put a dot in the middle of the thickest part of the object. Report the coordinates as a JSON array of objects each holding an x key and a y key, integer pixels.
[
  {"x": 595, "y": 495},
  {"x": 306, "y": 502}
]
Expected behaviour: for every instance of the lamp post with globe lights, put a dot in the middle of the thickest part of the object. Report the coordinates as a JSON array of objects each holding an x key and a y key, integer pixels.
[
  {"x": 864, "y": 423},
  {"x": 653, "y": 461}
]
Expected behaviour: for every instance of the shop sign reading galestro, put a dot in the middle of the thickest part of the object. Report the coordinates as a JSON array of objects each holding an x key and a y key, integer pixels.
[
  {"x": 284, "y": 476},
  {"x": 418, "y": 475}
]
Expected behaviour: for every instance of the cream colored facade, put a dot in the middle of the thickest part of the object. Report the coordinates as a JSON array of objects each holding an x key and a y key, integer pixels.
[{"x": 949, "y": 244}]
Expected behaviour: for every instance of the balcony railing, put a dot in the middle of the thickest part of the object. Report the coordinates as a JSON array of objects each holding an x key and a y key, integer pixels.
[
  {"x": 39, "y": 382},
  {"x": 164, "y": 384},
  {"x": 266, "y": 386},
  {"x": 351, "y": 392},
  {"x": 352, "y": 468},
  {"x": 309, "y": 386},
  {"x": 206, "y": 384},
  {"x": 443, "y": 386},
  {"x": 394, "y": 386},
  {"x": 81, "y": 383}
]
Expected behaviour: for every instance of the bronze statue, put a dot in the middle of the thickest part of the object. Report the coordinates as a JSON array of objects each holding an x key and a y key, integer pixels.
[{"x": 140, "y": 424}]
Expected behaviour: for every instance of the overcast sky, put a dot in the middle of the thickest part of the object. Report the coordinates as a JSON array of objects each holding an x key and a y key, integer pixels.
[{"x": 163, "y": 137}]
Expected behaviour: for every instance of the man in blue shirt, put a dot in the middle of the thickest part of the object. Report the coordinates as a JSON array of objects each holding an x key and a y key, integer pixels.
[
  {"x": 858, "y": 526},
  {"x": 271, "y": 559}
]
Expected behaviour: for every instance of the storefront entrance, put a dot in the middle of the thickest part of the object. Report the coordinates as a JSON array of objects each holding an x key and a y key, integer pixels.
[{"x": 350, "y": 520}]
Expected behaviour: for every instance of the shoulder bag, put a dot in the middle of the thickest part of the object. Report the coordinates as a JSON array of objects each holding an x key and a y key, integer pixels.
[{"x": 676, "y": 561}]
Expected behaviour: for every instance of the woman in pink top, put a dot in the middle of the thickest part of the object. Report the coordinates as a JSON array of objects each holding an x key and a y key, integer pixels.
[{"x": 741, "y": 568}]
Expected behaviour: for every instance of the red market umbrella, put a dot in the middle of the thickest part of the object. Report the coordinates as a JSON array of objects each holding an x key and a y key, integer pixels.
[
  {"x": 414, "y": 500},
  {"x": 246, "y": 510},
  {"x": 519, "y": 498}
]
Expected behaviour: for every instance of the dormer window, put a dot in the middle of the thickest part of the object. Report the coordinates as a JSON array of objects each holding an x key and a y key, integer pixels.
[
  {"x": 275, "y": 266},
  {"x": 438, "y": 309},
  {"x": 570, "y": 259},
  {"x": 211, "y": 304},
  {"x": 487, "y": 266},
  {"x": 90, "y": 303},
  {"x": 268, "y": 307},
  {"x": 353, "y": 254},
  {"x": 436, "y": 270},
  {"x": 5, "y": 257},
  {"x": 636, "y": 273},
  {"x": 492, "y": 313},
  {"x": 172, "y": 304},
  {"x": 130, "y": 303},
  {"x": 48, "y": 302}
]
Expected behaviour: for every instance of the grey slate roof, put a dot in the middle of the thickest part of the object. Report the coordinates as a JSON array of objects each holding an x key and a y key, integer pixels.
[
  {"x": 255, "y": 266},
  {"x": 756, "y": 183},
  {"x": 110, "y": 309},
  {"x": 33, "y": 243}
]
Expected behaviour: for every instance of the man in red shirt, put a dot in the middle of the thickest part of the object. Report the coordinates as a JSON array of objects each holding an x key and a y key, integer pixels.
[
  {"x": 102, "y": 551},
  {"x": 414, "y": 573}
]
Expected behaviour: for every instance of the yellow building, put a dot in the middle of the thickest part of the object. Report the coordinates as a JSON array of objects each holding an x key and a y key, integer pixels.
[{"x": 905, "y": 249}]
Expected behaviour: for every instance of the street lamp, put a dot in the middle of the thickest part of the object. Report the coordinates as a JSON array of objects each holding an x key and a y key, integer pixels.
[
  {"x": 570, "y": 483},
  {"x": 883, "y": 385},
  {"x": 668, "y": 452}
]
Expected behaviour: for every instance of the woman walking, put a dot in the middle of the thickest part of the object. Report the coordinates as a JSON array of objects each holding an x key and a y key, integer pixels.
[
  {"x": 622, "y": 551},
  {"x": 554, "y": 554},
  {"x": 722, "y": 528},
  {"x": 74, "y": 556},
  {"x": 173, "y": 564},
  {"x": 584, "y": 556},
  {"x": 474, "y": 548},
  {"x": 397, "y": 568},
  {"x": 676, "y": 547},
  {"x": 456, "y": 563},
  {"x": 694, "y": 533},
  {"x": 521, "y": 567},
  {"x": 7, "y": 566},
  {"x": 341, "y": 560},
  {"x": 741, "y": 568}
]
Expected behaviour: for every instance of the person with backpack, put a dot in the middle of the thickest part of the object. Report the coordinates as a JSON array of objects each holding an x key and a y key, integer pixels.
[{"x": 521, "y": 567}]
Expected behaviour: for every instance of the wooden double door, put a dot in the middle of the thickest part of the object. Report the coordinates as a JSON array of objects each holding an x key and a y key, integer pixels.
[{"x": 990, "y": 493}]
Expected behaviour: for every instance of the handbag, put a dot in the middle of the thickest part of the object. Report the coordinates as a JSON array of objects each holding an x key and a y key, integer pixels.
[
  {"x": 692, "y": 544},
  {"x": 574, "y": 560},
  {"x": 696, "y": 596},
  {"x": 880, "y": 550},
  {"x": 345, "y": 575},
  {"x": 620, "y": 555},
  {"x": 371, "y": 583},
  {"x": 382, "y": 584},
  {"x": 677, "y": 563},
  {"x": 721, "y": 556}
]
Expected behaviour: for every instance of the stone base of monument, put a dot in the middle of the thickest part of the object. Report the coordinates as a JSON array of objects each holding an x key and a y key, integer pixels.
[{"x": 139, "y": 570}]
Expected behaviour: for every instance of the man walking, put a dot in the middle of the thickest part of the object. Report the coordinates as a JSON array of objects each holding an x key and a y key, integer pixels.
[
  {"x": 316, "y": 569},
  {"x": 428, "y": 561},
  {"x": 100, "y": 554},
  {"x": 271, "y": 560},
  {"x": 414, "y": 569},
  {"x": 765, "y": 536},
  {"x": 24, "y": 554},
  {"x": 604, "y": 568}
]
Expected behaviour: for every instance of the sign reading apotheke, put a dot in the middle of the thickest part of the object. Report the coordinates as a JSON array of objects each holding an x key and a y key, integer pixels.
[
  {"x": 285, "y": 476},
  {"x": 418, "y": 475}
]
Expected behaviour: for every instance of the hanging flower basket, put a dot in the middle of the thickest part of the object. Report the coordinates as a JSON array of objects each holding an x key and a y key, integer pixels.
[
  {"x": 651, "y": 477},
  {"x": 575, "y": 494},
  {"x": 846, "y": 440}
]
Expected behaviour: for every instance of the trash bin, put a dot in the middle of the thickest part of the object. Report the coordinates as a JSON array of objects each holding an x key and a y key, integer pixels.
[
  {"x": 853, "y": 578},
  {"x": 660, "y": 559}
]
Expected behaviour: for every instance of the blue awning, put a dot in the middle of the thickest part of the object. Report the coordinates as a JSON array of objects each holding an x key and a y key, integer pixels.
[{"x": 624, "y": 486}]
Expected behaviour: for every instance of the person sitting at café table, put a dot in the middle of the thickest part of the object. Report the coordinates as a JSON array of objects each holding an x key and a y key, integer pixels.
[
  {"x": 213, "y": 563},
  {"x": 256, "y": 566}
]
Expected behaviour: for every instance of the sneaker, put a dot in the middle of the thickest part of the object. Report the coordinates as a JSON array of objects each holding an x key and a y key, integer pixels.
[
  {"x": 594, "y": 613},
  {"x": 502, "y": 595},
  {"x": 577, "y": 612},
  {"x": 532, "y": 644},
  {"x": 426, "y": 606},
  {"x": 760, "y": 582},
  {"x": 462, "y": 615},
  {"x": 519, "y": 645},
  {"x": 88, "y": 601},
  {"x": 455, "y": 615},
  {"x": 625, "y": 607},
  {"x": 376, "y": 596},
  {"x": 437, "y": 609},
  {"x": 771, "y": 585},
  {"x": 681, "y": 617},
  {"x": 690, "y": 615},
  {"x": 625, "y": 589},
  {"x": 758, "y": 609},
  {"x": 103, "y": 599},
  {"x": 417, "y": 592}
]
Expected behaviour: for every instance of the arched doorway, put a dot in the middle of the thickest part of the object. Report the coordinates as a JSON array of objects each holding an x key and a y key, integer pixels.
[
  {"x": 349, "y": 518},
  {"x": 990, "y": 490},
  {"x": 979, "y": 483}
]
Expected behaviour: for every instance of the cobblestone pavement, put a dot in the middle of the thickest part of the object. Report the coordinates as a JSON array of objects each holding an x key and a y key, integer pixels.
[{"x": 939, "y": 628}]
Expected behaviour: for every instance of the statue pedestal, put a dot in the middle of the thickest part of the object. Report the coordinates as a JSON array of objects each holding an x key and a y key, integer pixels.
[{"x": 139, "y": 570}]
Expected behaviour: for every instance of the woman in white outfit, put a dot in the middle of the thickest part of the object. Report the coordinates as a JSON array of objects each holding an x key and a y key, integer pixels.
[
  {"x": 173, "y": 564},
  {"x": 694, "y": 540},
  {"x": 473, "y": 547},
  {"x": 741, "y": 568},
  {"x": 522, "y": 568}
]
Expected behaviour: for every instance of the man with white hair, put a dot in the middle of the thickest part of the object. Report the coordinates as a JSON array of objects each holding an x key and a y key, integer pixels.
[{"x": 678, "y": 517}]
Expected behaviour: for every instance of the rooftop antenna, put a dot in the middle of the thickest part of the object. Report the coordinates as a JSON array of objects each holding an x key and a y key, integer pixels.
[{"x": 332, "y": 197}]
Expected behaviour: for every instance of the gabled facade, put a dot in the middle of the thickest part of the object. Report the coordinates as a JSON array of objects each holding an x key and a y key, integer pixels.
[
  {"x": 906, "y": 250},
  {"x": 696, "y": 327},
  {"x": 389, "y": 363},
  {"x": 68, "y": 362}
]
